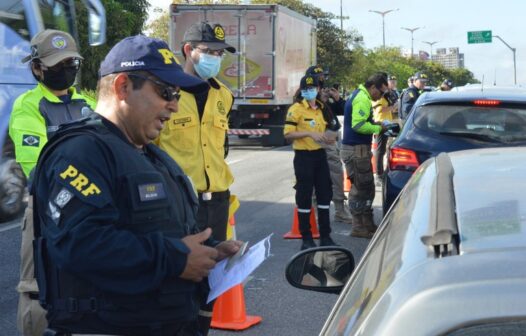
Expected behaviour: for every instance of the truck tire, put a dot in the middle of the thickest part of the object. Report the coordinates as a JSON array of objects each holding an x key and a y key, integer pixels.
[{"x": 12, "y": 188}]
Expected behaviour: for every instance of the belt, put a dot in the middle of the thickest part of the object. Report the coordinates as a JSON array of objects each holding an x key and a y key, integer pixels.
[
  {"x": 217, "y": 195},
  {"x": 33, "y": 295}
]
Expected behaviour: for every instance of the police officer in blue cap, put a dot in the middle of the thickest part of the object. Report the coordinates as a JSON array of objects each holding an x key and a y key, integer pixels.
[{"x": 117, "y": 248}]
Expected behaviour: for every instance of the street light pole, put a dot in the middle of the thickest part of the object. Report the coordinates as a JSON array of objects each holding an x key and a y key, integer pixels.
[
  {"x": 341, "y": 17},
  {"x": 412, "y": 30},
  {"x": 514, "y": 61},
  {"x": 383, "y": 14},
  {"x": 431, "y": 46}
]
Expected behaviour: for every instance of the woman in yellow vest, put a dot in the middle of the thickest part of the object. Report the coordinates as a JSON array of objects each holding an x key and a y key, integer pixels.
[{"x": 305, "y": 126}]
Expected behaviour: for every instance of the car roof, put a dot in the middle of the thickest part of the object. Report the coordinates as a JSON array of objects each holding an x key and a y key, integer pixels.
[
  {"x": 472, "y": 92},
  {"x": 489, "y": 196}
]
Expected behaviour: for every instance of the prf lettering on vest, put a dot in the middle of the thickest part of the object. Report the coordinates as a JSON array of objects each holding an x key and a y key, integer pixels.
[
  {"x": 168, "y": 56},
  {"x": 79, "y": 181}
]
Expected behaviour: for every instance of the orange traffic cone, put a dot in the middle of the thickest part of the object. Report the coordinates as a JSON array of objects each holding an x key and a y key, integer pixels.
[
  {"x": 229, "y": 311},
  {"x": 294, "y": 233},
  {"x": 346, "y": 181}
]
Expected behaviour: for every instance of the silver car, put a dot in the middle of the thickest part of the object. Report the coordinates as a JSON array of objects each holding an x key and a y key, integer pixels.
[{"x": 448, "y": 259}]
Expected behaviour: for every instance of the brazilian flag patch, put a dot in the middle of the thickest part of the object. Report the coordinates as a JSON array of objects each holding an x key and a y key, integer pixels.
[{"x": 30, "y": 140}]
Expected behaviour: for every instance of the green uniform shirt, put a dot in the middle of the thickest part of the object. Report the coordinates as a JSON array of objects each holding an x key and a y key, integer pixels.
[{"x": 361, "y": 115}]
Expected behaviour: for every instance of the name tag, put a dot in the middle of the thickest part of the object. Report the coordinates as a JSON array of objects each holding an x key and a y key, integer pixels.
[{"x": 151, "y": 192}]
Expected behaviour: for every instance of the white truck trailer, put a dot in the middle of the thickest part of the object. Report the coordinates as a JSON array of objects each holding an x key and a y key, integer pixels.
[{"x": 275, "y": 46}]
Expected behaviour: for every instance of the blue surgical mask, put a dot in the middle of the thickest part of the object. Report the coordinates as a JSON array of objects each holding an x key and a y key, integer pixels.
[
  {"x": 208, "y": 66},
  {"x": 309, "y": 94}
]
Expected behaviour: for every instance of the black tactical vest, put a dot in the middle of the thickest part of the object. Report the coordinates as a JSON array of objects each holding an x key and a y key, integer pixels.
[{"x": 75, "y": 305}]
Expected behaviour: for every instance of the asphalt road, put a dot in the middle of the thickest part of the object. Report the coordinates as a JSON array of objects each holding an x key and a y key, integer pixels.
[{"x": 263, "y": 182}]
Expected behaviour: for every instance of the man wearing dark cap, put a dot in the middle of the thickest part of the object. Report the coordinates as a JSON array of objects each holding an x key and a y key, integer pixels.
[
  {"x": 36, "y": 115},
  {"x": 318, "y": 72},
  {"x": 118, "y": 249},
  {"x": 409, "y": 97},
  {"x": 446, "y": 85},
  {"x": 196, "y": 135}
]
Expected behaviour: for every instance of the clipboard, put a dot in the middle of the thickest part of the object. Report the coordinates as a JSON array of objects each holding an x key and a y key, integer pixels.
[{"x": 233, "y": 259}]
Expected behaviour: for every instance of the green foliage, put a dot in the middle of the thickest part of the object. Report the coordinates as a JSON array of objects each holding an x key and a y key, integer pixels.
[
  {"x": 158, "y": 28},
  {"x": 123, "y": 17},
  {"x": 391, "y": 61}
]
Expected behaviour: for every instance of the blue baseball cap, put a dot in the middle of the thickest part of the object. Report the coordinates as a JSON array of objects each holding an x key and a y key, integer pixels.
[{"x": 141, "y": 53}]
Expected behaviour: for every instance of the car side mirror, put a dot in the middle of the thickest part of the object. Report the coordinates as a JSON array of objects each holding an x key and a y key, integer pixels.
[{"x": 321, "y": 269}]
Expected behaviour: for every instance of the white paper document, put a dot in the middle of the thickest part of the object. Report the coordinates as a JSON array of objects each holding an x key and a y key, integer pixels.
[{"x": 222, "y": 279}]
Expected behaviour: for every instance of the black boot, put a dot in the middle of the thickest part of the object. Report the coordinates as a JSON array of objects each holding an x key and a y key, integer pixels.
[
  {"x": 307, "y": 243},
  {"x": 327, "y": 241}
]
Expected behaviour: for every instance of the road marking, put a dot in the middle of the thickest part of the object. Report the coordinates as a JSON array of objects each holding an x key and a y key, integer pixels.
[
  {"x": 9, "y": 227},
  {"x": 233, "y": 161}
]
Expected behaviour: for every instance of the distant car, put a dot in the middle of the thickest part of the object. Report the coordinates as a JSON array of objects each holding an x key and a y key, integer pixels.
[
  {"x": 474, "y": 117},
  {"x": 449, "y": 258}
]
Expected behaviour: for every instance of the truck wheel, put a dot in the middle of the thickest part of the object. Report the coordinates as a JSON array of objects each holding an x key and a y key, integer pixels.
[{"x": 12, "y": 188}]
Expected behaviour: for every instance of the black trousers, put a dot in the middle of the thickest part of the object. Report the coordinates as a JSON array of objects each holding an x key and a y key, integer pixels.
[
  {"x": 312, "y": 172},
  {"x": 213, "y": 214}
]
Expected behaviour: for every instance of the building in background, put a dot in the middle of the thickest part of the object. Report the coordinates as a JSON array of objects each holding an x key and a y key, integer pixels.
[{"x": 450, "y": 60}]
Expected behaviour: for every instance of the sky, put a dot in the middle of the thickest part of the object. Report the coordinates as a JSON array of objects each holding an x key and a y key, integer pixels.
[{"x": 444, "y": 21}]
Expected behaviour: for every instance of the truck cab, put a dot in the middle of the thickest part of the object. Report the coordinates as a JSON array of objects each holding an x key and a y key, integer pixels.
[{"x": 20, "y": 20}]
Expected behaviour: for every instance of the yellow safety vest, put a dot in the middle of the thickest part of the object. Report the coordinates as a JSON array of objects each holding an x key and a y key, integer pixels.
[{"x": 198, "y": 146}]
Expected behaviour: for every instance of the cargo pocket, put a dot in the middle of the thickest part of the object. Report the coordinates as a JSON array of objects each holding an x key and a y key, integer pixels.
[
  {"x": 363, "y": 175},
  {"x": 184, "y": 132}
]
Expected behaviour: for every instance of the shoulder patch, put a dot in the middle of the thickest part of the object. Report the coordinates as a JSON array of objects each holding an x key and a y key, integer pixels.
[
  {"x": 411, "y": 94},
  {"x": 81, "y": 183},
  {"x": 362, "y": 113},
  {"x": 30, "y": 140},
  {"x": 63, "y": 197}
]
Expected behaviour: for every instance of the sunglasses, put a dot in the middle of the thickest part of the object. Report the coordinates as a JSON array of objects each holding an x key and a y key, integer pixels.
[
  {"x": 67, "y": 63},
  {"x": 167, "y": 92},
  {"x": 209, "y": 51}
]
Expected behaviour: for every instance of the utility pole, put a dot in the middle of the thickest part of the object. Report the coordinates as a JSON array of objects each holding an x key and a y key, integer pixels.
[
  {"x": 514, "y": 61},
  {"x": 431, "y": 46},
  {"x": 383, "y": 14},
  {"x": 412, "y": 30},
  {"x": 341, "y": 17}
]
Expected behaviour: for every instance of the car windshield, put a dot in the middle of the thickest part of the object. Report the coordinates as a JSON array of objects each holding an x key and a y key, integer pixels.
[{"x": 493, "y": 124}]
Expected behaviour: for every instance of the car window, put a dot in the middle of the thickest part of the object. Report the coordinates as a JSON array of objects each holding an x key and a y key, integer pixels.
[
  {"x": 507, "y": 328},
  {"x": 384, "y": 259},
  {"x": 501, "y": 122}
]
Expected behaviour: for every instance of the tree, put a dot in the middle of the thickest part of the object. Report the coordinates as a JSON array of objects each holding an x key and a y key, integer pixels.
[
  {"x": 123, "y": 17},
  {"x": 158, "y": 28}
]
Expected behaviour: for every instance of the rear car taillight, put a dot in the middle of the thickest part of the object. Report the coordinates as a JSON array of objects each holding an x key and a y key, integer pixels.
[
  {"x": 402, "y": 159},
  {"x": 486, "y": 102}
]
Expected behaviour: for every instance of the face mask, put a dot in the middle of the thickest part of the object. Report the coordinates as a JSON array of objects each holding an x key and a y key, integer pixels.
[
  {"x": 61, "y": 79},
  {"x": 208, "y": 66},
  {"x": 309, "y": 94}
]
